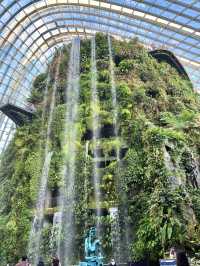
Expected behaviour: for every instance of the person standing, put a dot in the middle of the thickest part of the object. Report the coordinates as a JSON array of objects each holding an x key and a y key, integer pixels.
[
  {"x": 40, "y": 263},
  {"x": 23, "y": 262},
  {"x": 181, "y": 258},
  {"x": 112, "y": 263},
  {"x": 172, "y": 253},
  {"x": 55, "y": 261}
]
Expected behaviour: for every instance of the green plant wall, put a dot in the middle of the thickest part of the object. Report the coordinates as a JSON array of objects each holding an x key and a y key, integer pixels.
[{"x": 157, "y": 178}]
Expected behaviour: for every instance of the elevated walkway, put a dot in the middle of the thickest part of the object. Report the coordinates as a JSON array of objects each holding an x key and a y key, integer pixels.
[
  {"x": 163, "y": 55},
  {"x": 17, "y": 114}
]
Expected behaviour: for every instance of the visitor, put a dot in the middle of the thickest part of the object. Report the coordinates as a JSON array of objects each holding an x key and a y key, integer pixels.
[
  {"x": 181, "y": 258},
  {"x": 172, "y": 253},
  {"x": 112, "y": 263},
  {"x": 55, "y": 261},
  {"x": 23, "y": 262},
  {"x": 40, "y": 263}
]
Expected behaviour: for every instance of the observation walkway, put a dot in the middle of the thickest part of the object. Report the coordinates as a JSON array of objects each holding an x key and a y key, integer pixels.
[
  {"x": 17, "y": 114},
  {"x": 162, "y": 55}
]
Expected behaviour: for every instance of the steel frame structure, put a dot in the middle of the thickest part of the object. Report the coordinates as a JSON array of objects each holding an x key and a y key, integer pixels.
[{"x": 31, "y": 29}]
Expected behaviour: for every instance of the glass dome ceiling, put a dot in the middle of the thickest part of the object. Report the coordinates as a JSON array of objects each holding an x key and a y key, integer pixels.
[{"x": 30, "y": 31}]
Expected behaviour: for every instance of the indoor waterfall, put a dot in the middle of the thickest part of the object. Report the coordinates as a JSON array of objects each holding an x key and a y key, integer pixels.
[
  {"x": 117, "y": 232},
  {"x": 66, "y": 231},
  {"x": 45, "y": 134},
  {"x": 115, "y": 228},
  {"x": 86, "y": 181},
  {"x": 113, "y": 90},
  {"x": 95, "y": 108},
  {"x": 37, "y": 225},
  {"x": 54, "y": 232},
  {"x": 111, "y": 143}
]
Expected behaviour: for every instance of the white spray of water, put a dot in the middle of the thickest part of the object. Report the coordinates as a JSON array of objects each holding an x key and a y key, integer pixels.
[
  {"x": 54, "y": 232},
  {"x": 115, "y": 234},
  {"x": 46, "y": 93},
  {"x": 113, "y": 90},
  {"x": 37, "y": 225},
  {"x": 95, "y": 128},
  {"x": 86, "y": 179},
  {"x": 67, "y": 227},
  {"x": 44, "y": 132},
  {"x": 116, "y": 230}
]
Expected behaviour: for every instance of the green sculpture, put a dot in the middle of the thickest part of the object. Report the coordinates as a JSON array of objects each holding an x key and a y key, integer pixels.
[{"x": 93, "y": 255}]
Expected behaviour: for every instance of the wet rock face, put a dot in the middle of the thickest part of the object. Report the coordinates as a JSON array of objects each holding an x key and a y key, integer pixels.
[{"x": 191, "y": 168}]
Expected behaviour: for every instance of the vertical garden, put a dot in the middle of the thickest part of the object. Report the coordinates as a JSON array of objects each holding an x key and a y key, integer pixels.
[{"x": 113, "y": 130}]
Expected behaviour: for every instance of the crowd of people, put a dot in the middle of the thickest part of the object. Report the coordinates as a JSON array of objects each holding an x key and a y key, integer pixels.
[
  {"x": 177, "y": 254},
  {"x": 55, "y": 262},
  {"x": 25, "y": 262}
]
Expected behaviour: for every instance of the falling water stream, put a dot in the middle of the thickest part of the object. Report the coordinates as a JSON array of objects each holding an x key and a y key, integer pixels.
[
  {"x": 113, "y": 91},
  {"x": 46, "y": 93},
  {"x": 37, "y": 225},
  {"x": 53, "y": 245},
  {"x": 95, "y": 129},
  {"x": 86, "y": 181},
  {"x": 63, "y": 230},
  {"x": 67, "y": 227},
  {"x": 44, "y": 133},
  {"x": 115, "y": 227}
]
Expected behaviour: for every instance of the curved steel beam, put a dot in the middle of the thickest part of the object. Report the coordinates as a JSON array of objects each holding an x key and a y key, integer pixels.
[
  {"x": 154, "y": 39},
  {"x": 34, "y": 54},
  {"x": 56, "y": 28},
  {"x": 147, "y": 3},
  {"x": 111, "y": 5},
  {"x": 35, "y": 11},
  {"x": 116, "y": 19},
  {"x": 55, "y": 42},
  {"x": 169, "y": 44},
  {"x": 70, "y": 26}
]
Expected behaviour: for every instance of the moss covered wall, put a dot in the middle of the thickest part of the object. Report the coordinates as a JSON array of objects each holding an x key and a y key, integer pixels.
[{"x": 157, "y": 178}]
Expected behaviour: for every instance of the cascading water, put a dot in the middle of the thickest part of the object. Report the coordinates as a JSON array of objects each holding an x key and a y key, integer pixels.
[
  {"x": 95, "y": 128},
  {"x": 86, "y": 179},
  {"x": 54, "y": 232},
  {"x": 113, "y": 91},
  {"x": 67, "y": 228},
  {"x": 44, "y": 133},
  {"x": 46, "y": 93},
  {"x": 37, "y": 225},
  {"x": 115, "y": 227},
  {"x": 115, "y": 234}
]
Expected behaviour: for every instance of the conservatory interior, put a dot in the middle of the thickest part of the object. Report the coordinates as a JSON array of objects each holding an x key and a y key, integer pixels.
[{"x": 99, "y": 132}]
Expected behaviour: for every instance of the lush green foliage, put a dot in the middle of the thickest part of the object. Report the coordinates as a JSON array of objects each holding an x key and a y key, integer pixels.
[{"x": 156, "y": 183}]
